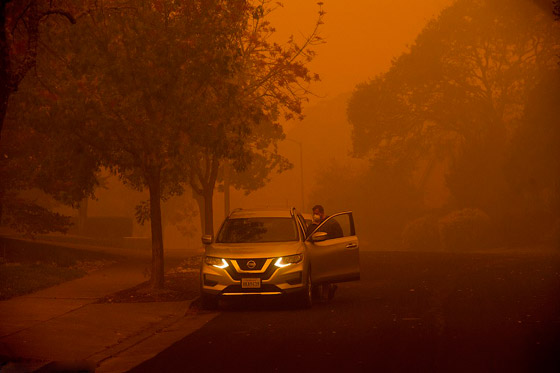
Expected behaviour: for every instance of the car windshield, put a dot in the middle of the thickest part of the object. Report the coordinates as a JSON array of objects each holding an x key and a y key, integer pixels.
[{"x": 242, "y": 230}]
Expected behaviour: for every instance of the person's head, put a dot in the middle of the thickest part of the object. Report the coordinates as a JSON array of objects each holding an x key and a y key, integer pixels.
[{"x": 318, "y": 213}]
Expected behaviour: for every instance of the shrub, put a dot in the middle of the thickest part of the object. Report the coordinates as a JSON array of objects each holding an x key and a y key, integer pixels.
[
  {"x": 465, "y": 229},
  {"x": 422, "y": 234}
]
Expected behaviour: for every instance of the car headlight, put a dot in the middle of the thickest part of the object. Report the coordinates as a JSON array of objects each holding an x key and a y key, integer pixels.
[
  {"x": 288, "y": 260},
  {"x": 216, "y": 262}
]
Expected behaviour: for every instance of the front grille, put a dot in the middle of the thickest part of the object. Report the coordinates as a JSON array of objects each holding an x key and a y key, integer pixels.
[
  {"x": 259, "y": 262},
  {"x": 263, "y": 276}
]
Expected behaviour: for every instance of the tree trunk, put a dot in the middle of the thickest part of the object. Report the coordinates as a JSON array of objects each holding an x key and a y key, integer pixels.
[
  {"x": 4, "y": 67},
  {"x": 206, "y": 209},
  {"x": 200, "y": 202},
  {"x": 156, "y": 280},
  {"x": 4, "y": 96},
  {"x": 82, "y": 216},
  {"x": 203, "y": 189},
  {"x": 1, "y": 206},
  {"x": 209, "y": 210},
  {"x": 226, "y": 190}
]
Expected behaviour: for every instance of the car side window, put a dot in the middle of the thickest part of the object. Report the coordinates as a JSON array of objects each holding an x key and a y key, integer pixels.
[{"x": 337, "y": 226}]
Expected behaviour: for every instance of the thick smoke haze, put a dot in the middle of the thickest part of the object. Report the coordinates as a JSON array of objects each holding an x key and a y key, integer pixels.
[
  {"x": 361, "y": 39},
  {"x": 426, "y": 114}
]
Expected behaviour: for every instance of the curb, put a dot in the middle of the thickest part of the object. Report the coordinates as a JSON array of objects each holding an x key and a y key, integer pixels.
[
  {"x": 135, "y": 339},
  {"x": 151, "y": 341}
]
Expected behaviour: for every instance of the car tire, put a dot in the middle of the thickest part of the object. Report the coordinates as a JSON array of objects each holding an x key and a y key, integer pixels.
[
  {"x": 209, "y": 302},
  {"x": 306, "y": 295}
]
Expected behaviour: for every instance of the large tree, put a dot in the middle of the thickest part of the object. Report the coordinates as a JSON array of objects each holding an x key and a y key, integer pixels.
[
  {"x": 157, "y": 86},
  {"x": 459, "y": 92},
  {"x": 137, "y": 83},
  {"x": 272, "y": 80}
]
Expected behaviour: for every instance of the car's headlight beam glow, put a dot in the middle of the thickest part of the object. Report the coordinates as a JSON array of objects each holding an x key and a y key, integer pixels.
[
  {"x": 216, "y": 262},
  {"x": 288, "y": 260}
]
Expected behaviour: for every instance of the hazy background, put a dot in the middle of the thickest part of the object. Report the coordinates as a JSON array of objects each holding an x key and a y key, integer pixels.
[
  {"x": 361, "y": 39},
  {"x": 397, "y": 47}
]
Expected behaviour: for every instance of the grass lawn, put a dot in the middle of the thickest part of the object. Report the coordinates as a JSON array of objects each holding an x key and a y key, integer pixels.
[
  {"x": 23, "y": 278},
  {"x": 27, "y": 266}
]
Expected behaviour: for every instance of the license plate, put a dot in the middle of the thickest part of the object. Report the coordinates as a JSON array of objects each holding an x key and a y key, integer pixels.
[{"x": 250, "y": 283}]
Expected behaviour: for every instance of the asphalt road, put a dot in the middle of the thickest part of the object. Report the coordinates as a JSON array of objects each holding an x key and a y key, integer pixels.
[{"x": 410, "y": 312}]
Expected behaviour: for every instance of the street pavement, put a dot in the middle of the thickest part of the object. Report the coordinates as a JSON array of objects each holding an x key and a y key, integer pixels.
[
  {"x": 64, "y": 328},
  {"x": 410, "y": 312}
]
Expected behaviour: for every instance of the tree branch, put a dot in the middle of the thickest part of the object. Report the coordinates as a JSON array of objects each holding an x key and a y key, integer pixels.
[{"x": 60, "y": 12}]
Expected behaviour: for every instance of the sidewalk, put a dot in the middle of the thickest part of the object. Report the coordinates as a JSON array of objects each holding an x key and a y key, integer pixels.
[{"x": 63, "y": 328}]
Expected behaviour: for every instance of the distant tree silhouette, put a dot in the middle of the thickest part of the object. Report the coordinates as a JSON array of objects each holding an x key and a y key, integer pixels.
[
  {"x": 533, "y": 166},
  {"x": 458, "y": 95}
]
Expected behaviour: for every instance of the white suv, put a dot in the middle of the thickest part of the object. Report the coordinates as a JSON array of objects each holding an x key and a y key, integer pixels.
[{"x": 264, "y": 252}]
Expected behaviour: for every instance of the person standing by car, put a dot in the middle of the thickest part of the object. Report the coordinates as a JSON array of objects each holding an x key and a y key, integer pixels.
[{"x": 332, "y": 228}]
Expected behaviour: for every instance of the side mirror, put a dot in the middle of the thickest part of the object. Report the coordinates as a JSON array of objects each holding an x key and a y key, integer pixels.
[
  {"x": 319, "y": 236},
  {"x": 207, "y": 239}
]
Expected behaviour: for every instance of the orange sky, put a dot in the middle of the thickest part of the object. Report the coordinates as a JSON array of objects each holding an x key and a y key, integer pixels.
[{"x": 363, "y": 36}]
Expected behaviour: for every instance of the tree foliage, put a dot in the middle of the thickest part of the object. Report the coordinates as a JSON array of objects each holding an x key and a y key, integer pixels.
[
  {"x": 271, "y": 80},
  {"x": 33, "y": 159},
  {"x": 532, "y": 167},
  {"x": 467, "y": 75},
  {"x": 20, "y": 23},
  {"x": 136, "y": 81},
  {"x": 459, "y": 95},
  {"x": 30, "y": 159},
  {"x": 162, "y": 92}
]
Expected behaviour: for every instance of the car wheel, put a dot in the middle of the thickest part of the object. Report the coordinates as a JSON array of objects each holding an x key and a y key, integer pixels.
[
  {"x": 209, "y": 302},
  {"x": 306, "y": 295}
]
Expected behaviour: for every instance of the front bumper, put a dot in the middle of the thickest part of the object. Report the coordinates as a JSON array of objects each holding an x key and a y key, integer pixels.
[{"x": 273, "y": 280}]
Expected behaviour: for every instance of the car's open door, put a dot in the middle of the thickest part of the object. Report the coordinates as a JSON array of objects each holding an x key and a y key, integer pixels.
[{"x": 334, "y": 251}]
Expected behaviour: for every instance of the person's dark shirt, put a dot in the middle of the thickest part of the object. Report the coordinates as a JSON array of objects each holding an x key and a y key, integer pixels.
[
  {"x": 311, "y": 227},
  {"x": 331, "y": 227}
]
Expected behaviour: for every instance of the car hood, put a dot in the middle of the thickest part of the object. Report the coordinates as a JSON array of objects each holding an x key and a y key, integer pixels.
[{"x": 254, "y": 250}]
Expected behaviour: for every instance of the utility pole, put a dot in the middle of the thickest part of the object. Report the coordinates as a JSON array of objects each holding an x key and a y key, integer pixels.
[
  {"x": 301, "y": 171},
  {"x": 226, "y": 190}
]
